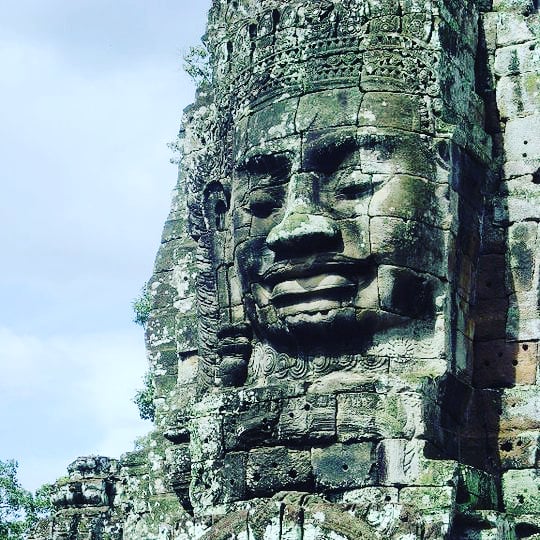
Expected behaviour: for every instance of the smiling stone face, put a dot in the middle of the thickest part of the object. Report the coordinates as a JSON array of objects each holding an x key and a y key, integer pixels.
[{"x": 329, "y": 220}]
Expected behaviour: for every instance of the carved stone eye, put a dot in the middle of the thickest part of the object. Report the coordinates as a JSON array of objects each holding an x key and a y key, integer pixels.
[
  {"x": 353, "y": 192},
  {"x": 262, "y": 205}
]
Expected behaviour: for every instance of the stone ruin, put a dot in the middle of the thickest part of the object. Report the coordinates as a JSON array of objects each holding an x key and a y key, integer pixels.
[{"x": 344, "y": 334}]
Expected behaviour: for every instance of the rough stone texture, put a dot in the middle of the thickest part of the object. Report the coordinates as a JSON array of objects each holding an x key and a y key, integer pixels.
[{"x": 344, "y": 340}]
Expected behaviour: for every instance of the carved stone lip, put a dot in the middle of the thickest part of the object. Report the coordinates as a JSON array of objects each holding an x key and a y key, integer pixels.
[
  {"x": 316, "y": 265},
  {"x": 313, "y": 285}
]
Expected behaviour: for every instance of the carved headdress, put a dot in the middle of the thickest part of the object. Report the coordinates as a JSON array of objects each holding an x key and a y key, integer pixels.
[{"x": 262, "y": 49}]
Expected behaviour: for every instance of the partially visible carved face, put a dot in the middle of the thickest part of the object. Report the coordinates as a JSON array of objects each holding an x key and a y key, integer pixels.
[{"x": 336, "y": 229}]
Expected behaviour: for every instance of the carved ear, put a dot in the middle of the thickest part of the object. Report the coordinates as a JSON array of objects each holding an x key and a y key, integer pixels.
[{"x": 216, "y": 205}]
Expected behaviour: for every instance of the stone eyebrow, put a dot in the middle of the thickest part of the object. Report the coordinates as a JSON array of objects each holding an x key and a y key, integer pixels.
[
  {"x": 263, "y": 163},
  {"x": 327, "y": 154},
  {"x": 383, "y": 142}
]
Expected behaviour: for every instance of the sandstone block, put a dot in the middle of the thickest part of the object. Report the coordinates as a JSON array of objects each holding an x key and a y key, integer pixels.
[
  {"x": 329, "y": 108},
  {"x": 520, "y": 410},
  {"x": 491, "y": 277},
  {"x": 521, "y": 491},
  {"x": 271, "y": 123},
  {"x": 270, "y": 470},
  {"x": 516, "y": 59},
  {"x": 500, "y": 363},
  {"x": 521, "y": 138},
  {"x": 519, "y": 450},
  {"x": 403, "y": 462},
  {"x": 518, "y": 95},
  {"x": 342, "y": 466},
  {"x": 394, "y": 241},
  {"x": 310, "y": 418},
  {"x": 409, "y": 197},
  {"x": 513, "y": 28},
  {"x": 523, "y": 322},
  {"x": 364, "y": 416}
]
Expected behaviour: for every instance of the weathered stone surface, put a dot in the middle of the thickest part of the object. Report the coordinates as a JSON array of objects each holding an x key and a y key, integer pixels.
[
  {"x": 521, "y": 493},
  {"x": 499, "y": 363},
  {"x": 372, "y": 416},
  {"x": 343, "y": 466}
]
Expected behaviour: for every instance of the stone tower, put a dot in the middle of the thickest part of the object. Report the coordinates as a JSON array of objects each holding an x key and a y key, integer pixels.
[{"x": 344, "y": 339}]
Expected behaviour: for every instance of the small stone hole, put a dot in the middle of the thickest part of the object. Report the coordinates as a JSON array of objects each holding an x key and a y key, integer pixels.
[
  {"x": 293, "y": 473},
  {"x": 519, "y": 443},
  {"x": 507, "y": 446},
  {"x": 291, "y": 415},
  {"x": 256, "y": 477},
  {"x": 525, "y": 347},
  {"x": 388, "y": 498},
  {"x": 536, "y": 177},
  {"x": 514, "y": 362},
  {"x": 307, "y": 407},
  {"x": 525, "y": 142},
  {"x": 345, "y": 467},
  {"x": 524, "y": 154}
]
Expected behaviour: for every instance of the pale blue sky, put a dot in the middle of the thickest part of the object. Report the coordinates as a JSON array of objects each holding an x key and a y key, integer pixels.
[{"x": 91, "y": 91}]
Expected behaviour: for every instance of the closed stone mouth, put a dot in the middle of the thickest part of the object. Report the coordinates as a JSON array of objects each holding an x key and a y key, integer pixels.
[
  {"x": 314, "y": 267},
  {"x": 323, "y": 285}
]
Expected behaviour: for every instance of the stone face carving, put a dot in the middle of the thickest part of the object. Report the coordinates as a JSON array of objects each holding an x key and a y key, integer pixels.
[
  {"x": 309, "y": 231},
  {"x": 366, "y": 275}
]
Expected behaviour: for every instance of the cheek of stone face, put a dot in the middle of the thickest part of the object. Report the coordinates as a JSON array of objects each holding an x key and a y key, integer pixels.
[
  {"x": 355, "y": 236},
  {"x": 410, "y": 244},
  {"x": 409, "y": 198},
  {"x": 406, "y": 292}
]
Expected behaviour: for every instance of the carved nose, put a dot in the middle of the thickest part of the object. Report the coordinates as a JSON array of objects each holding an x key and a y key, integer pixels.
[{"x": 303, "y": 228}]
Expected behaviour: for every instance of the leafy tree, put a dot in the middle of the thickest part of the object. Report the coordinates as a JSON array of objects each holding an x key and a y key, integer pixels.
[
  {"x": 144, "y": 399},
  {"x": 142, "y": 305},
  {"x": 197, "y": 65},
  {"x": 20, "y": 510}
]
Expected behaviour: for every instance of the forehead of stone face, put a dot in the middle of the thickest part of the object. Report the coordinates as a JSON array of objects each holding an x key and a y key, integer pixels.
[
  {"x": 274, "y": 120},
  {"x": 328, "y": 108},
  {"x": 394, "y": 111}
]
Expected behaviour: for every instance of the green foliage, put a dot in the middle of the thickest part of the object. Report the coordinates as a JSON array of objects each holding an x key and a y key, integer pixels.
[
  {"x": 144, "y": 399},
  {"x": 142, "y": 305},
  {"x": 20, "y": 510},
  {"x": 197, "y": 65}
]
